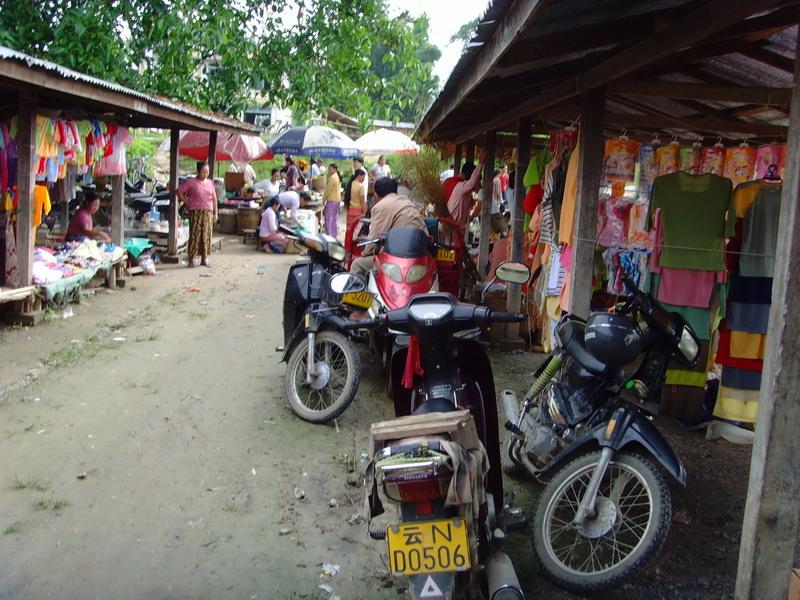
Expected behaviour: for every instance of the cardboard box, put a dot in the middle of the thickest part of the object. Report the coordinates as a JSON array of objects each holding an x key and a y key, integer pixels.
[
  {"x": 794, "y": 585},
  {"x": 234, "y": 182}
]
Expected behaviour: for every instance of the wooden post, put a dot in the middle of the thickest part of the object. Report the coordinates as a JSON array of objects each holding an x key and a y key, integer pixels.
[
  {"x": 769, "y": 532},
  {"x": 212, "y": 152},
  {"x": 486, "y": 203},
  {"x": 590, "y": 169},
  {"x": 470, "y": 156},
  {"x": 514, "y": 299},
  {"x": 26, "y": 165},
  {"x": 172, "y": 240},
  {"x": 457, "y": 161},
  {"x": 118, "y": 209},
  {"x": 63, "y": 195}
]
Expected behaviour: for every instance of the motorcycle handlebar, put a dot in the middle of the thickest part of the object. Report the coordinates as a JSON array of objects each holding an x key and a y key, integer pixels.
[{"x": 506, "y": 317}]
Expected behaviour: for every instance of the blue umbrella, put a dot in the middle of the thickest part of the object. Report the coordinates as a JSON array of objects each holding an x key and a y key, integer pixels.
[{"x": 314, "y": 141}]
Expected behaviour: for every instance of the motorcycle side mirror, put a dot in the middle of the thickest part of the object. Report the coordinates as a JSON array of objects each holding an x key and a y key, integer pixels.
[
  {"x": 513, "y": 272},
  {"x": 342, "y": 283}
]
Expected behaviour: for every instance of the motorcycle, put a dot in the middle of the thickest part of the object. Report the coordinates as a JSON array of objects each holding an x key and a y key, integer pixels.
[
  {"x": 322, "y": 365},
  {"x": 585, "y": 423},
  {"x": 439, "y": 460}
]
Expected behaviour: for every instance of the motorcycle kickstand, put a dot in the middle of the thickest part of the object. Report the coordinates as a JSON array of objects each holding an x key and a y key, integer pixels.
[{"x": 586, "y": 509}]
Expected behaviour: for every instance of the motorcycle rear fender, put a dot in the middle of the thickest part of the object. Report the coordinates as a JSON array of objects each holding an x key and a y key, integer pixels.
[{"x": 632, "y": 429}]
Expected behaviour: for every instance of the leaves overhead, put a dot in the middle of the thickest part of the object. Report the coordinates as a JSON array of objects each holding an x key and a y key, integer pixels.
[{"x": 353, "y": 55}]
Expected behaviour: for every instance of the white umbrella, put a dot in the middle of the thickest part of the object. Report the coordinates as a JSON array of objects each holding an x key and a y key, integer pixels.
[{"x": 386, "y": 141}]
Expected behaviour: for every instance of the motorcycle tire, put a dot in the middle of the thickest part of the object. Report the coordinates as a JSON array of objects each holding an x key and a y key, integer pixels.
[
  {"x": 322, "y": 411},
  {"x": 651, "y": 532}
]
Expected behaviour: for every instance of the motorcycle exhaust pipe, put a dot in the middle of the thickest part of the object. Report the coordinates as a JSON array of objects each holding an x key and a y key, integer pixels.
[
  {"x": 502, "y": 578},
  {"x": 510, "y": 405}
]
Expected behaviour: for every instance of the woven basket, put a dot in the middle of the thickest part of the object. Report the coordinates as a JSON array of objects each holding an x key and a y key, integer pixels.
[{"x": 247, "y": 218}]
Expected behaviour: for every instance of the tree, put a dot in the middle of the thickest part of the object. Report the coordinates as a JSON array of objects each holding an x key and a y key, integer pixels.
[
  {"x": 466, "y": 32},
  {"x": 308, "y": 55}
]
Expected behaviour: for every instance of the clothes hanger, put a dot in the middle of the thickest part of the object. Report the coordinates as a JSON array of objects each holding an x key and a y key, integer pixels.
[
  {"x": 623, "y": 136},
  {"x": 656, "y": 141},
  {"x": 772, "y": 175},
  {"x": 718, "y": 143}
]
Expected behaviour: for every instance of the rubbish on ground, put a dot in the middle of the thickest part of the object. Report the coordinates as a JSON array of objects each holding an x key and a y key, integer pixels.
[
  {"x": 364, "y": 456},
  {"x": 118, "y": 339},
  {"x": 248, "y": 316},
  {"x": 299, "y": 493},
  {"x": 332, "y": 503},
  {"x": 41, "y": 431},
  {"x": 67, "y": 313},
  {"x": 192, "y": 290},
  {"x": 329, "y": 571},
  {"x": 253, "y": 471},
  {"x": 205, "y": 274},
  {"x": 284, "y": 531},
  {"x": 81, "y": 476},
  {"x": 36, "y": 399}
]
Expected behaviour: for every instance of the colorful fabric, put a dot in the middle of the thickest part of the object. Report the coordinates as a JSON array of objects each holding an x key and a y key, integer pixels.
[
  {"x": 41, "y": 204},
  {"x": 750, "y": 290},
  {"x": 731, "y": 407},
  {"x": 712, "y": 160},
  {"x": 619, "y": 160},
  {"x": 740, "y": 164},
  {"x": 569, "y": 198},
  {"x": 760, "y": 233},
  {"x": 697, "y": 213},
  {"x": 750, "y": 318},
  {"x": 681, "y": 377},
  {"x": 354, "y": 216},
  {"x": 741, "y": 378},
  {"x": 201, "y": 223},
  {"x": 648, "y": 167},
  {"x": 772, "y": 154},
  {"x": 725, "y": 358},
  {"x": 689, "y": 159},
  {"x": 748, "y": 345}
]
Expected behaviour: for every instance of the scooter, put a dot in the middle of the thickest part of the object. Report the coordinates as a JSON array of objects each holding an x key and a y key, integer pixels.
[
  {"x": 439, "y": 461},
  {"x": 585, "y": 425},
  {"x": 322, "y": 365}
]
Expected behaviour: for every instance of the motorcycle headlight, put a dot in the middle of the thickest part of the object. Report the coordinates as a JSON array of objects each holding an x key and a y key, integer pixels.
[
  {"x": 688, "y": 345},
  {"x": 393, "y": 272},
  {"x": 336, "y": 251},
  {"x": 415, "y": 273}
]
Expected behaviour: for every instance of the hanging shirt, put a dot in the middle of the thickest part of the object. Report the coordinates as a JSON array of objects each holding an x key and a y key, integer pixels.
[
  {"x": 760, "y": 233},
  {"x": 697, "y": 213},
  {"x": 41, "y": 204},
  {"x": 115, "y": 163}
]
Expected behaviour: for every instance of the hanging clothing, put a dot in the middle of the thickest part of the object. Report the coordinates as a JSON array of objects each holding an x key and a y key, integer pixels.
[
  {"x": 697, "y": 213},
  {"x": 41, "y": 204},
  {"x": 760, "y": 233},
  {"x": 566, "y": 222}
]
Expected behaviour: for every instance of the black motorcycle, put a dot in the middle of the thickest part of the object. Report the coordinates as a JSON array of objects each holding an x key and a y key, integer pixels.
[
  {"x": 322, "y": 364},
  {"x": 584, "y": 424},
  {"x": 449, "y": 539}
]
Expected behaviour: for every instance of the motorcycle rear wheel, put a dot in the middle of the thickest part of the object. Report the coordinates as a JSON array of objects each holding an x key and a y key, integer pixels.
[
  {"x": 634, "y": 511},
  {"x": 344, "y": 371}
]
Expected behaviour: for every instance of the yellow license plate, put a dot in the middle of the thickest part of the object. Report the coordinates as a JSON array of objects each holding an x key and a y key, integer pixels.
[
  {"x": 428, "y": 547},
  {"x": 446, "y": 254},
  {"x": 359, "y": 299}
]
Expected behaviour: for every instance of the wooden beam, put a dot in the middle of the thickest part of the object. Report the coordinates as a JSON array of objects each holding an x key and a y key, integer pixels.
[
  {"x": 486, "y": 202},
  {"x": 699, "y": 25},
  {"x": 172, "y": 239},
  {"x": 773, "y": 59},
  {"x": 590, "y": 167},
  {"x": 26, "y": 171},
  {"x": 118, "y": 209},
  {"x": 514, "y": 23},
  {"x": 704, "y": 91},
  {"x": 212, "y": 152},
  {"x": 769, "y": 532},
  {"x": 514, "y": 297}
]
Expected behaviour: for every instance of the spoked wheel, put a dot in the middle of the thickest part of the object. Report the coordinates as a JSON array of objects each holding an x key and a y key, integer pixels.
[
  {"x": 337, "y": 368},
  {"x": 632, "y": 517}
]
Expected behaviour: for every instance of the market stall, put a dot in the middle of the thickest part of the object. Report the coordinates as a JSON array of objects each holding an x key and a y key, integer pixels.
[
  {"x": 679, "y": 176},
  {"x": 60, "y": 130}
]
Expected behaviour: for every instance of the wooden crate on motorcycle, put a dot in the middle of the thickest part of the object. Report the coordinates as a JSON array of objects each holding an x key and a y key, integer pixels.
[{"x": 459, "y": 425}]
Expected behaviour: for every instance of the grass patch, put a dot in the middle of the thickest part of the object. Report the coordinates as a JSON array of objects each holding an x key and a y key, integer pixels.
[
  {"x": 50, "y": 504},
  {"x": 70, "y": 354},
  {"x": 15, "y": 527},
  {"x": 36, "y": 484},
  {"x": 198, "y": 316},
  {"x": 150, "y": 337}
]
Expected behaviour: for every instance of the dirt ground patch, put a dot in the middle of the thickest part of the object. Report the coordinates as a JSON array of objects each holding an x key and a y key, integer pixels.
[{"x": 148, "y": 452}]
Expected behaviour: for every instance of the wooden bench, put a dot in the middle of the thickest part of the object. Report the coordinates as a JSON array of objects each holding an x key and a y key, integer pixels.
[{"x": 249, "y": 235}]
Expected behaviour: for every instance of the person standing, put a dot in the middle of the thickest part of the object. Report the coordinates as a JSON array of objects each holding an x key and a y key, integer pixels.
[
  {"x": 381, "y": 169},
  {"x": 356, "y": 207},
  {"x": 460, "y": 201},
  {"x": 497, "y": 190},
  {"x": 316, "y": 168},
  {"x": 332, "y": 197},
  {"x": 292, "y": 173},
  {"x": 201, "y": 201}
]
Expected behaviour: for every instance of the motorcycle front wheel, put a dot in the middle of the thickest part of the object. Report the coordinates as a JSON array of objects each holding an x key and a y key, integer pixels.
[
  {"x": 333, "y": 386},
  {"x": 632, "y": 517}
]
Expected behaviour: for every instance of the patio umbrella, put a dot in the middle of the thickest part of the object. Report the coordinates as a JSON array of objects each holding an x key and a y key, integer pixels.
[
  {"x": 234, "y": 146},
  {"x": 314, "y": 141},
  {"x": 386, "y": 141}
]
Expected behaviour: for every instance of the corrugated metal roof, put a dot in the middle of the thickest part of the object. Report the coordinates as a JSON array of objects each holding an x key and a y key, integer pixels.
[{"x": 8, "y": 54}]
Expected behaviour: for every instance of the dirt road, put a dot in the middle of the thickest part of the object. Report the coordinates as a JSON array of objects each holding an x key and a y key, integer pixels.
[{"x": 148, "y": 452}]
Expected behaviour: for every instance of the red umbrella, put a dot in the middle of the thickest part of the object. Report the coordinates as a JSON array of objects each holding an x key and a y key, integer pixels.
[{"x": 234, "y": 146}]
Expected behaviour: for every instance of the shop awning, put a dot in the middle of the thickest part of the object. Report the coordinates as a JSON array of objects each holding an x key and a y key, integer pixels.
[
  {"x": 716, "y": 68},
  {"x": 77, "y": 95}
]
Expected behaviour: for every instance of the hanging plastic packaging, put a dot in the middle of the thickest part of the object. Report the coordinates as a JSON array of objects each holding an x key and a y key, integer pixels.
[
  {"x": 773, "y": 154},
  {"x": 740, "y": 164}
]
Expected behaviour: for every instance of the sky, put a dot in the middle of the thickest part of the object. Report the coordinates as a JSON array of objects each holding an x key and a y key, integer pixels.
[{"x": 445, "y": 17}]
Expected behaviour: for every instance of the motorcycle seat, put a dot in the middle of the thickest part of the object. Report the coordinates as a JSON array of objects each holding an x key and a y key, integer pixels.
[
  {"x": 435, "y": 405},
  {"x": 570, "y": 335}
]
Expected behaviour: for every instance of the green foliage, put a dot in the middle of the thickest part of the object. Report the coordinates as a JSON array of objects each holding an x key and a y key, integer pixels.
[
  {"x": 466, "y": 32},
  {"x": 348, "y": 54}
]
